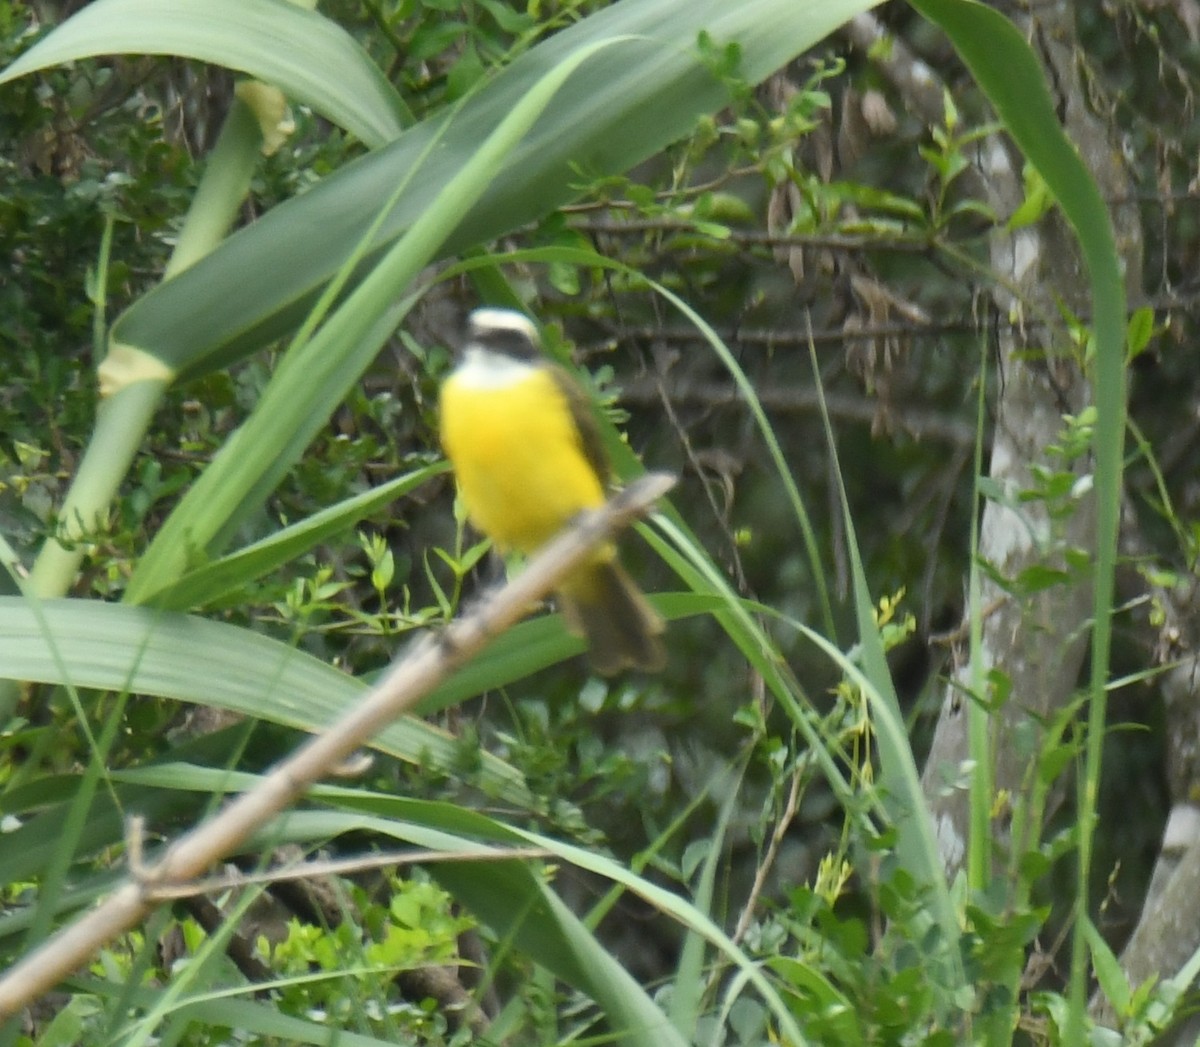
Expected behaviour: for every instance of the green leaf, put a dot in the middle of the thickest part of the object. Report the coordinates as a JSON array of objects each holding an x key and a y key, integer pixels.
[
  {"x": 1038, "y": 577},
  {"x": 209, "y": 583},
  {"x": 311, "y": 59},
  {"x": 1008, "y": 72},
  {"x": 267, "y": 1021},
  {"x": 531, "y": 646},
  {"x": 1112, "y": 979},
  {"x": 117, "y": 647},
  {"x": 1038, "y": 200},
  {"x": 317, "y": 372},
  {"x": 627, "y": 103},
  {"x": 43, "y": 807},
  {"x": 1139, "y": 332}
]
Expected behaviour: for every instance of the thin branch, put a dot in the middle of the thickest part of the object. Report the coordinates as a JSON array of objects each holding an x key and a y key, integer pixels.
[
  {"x": 775, "y": 337},
  {"x": 339, "y": 867},
  {"x": 427, "y": 663},
  {"x": 917, "y": 242},
  {"x": 768, "y": 863},
  {"x": 915, "y": 421}
]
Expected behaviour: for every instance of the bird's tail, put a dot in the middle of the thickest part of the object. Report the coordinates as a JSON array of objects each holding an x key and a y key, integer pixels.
[{"x": 602, "y": 604}]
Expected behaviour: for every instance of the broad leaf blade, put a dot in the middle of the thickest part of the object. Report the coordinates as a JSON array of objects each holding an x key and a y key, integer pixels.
[
  {"x": 1009, "y": 74},
  {"x": 117, "y": 647},
  {"x": 627, "y": 102},
  {"x": 317, "y": 372},
  {"x": 308, "y": 57},
  {"x": 209, "y": 583}
]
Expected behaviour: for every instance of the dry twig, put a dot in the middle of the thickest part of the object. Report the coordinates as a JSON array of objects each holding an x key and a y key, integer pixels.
[{"x": 427, "y": 662}]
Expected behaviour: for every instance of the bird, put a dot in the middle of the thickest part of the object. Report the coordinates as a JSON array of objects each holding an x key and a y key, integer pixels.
[{"x": 528, "y": 458}]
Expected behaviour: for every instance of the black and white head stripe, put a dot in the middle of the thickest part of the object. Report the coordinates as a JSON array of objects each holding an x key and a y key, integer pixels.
[{"x": 503, "y": 331}]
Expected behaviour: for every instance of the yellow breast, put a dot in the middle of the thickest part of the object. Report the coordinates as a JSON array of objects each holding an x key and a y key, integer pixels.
[{"x": 508, "y": 430}]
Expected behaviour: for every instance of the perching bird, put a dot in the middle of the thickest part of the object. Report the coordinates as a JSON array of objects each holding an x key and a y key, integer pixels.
[{"x": 528, "y": 458}]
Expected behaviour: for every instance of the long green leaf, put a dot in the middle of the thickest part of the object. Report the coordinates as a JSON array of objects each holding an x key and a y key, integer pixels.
[
  {"x": 44, "y": 805},
  {"x": 215, "y": 580},
  {"x": 117, "y": 647},
  {"x": 315, "y": 374},
  {"x": 311, "y": 59},
  {"x": 532, "y": 645},
  {"x": 269, "y": 1022},
  {"x": 517, "y": 902},
  {"x": 1009, "y": 74},
  {"x": 627, "y": 103}
]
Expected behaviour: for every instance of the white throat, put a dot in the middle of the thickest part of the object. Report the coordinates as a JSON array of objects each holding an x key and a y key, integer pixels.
[{"x": 483, "y": 369}]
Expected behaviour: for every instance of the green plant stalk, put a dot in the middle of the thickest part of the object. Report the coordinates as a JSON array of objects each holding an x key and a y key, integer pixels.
[
  {"x": 995, "y": 1025},
  {"x": 54, "y": 879},
  {"x": 1108, "y": 440},
  {"x": 121, "y": 421},
  {"x": 767, "y": 431},
  {"x": 1010, "y": 75},
  {"x": 978, "y": 715},
  {"x": 679, "y": 551},
  {"x": 222, "y": 189},
  {"x": 98, "y": 287},
  {"x": 637, "y": 864},
  {"x": 916, "y": 841},
  {"x": 689, "y": 983},
  {"x": 196, "y": 971},
  {"x": 1169, "y": 511},
  {"x": 142, "y": 970},
  {"x": 123, "y": 417}
]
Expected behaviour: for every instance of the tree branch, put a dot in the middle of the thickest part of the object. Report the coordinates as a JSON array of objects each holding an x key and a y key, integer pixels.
[{"x": 426, "y": 664}]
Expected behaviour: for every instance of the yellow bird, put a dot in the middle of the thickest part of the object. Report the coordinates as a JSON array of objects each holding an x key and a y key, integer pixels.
[{"x": 528, "y": 458}]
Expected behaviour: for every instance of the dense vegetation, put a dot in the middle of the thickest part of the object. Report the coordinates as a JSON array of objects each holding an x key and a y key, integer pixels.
[{"x": 787, "y": 268}]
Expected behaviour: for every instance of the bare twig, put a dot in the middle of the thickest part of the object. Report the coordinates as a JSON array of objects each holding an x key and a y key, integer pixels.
[
  {"x": 239, "y": 948},
  {"x": 917, "y": 422},
  {"x": 768, "y": 863},
  {"x": 427, "y": 662},
  {"x": 917, "y": 242},
  {"x": 160, "y": 892}
]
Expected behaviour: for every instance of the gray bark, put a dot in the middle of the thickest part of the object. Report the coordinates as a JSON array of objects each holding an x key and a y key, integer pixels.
[{"x": 1037, "y": 639}]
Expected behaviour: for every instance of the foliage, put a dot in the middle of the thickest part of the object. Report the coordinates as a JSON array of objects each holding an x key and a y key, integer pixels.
[{"x": 785, "y": 863}]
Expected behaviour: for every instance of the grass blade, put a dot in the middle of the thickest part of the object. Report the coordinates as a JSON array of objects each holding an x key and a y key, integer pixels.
[
  {"x": 116, "y": 647},
  {"x": 1008, "y": 72}
]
